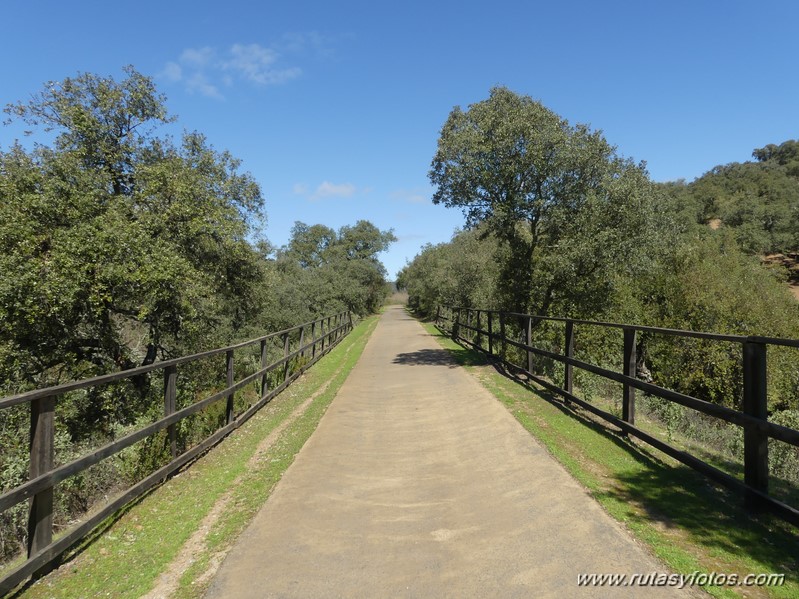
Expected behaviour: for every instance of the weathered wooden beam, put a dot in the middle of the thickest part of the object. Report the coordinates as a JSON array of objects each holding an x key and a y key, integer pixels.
[{"x": 755, "y": 404}]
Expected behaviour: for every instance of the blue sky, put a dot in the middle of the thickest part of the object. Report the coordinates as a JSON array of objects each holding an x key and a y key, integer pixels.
[{"x": 335, "y": 107}]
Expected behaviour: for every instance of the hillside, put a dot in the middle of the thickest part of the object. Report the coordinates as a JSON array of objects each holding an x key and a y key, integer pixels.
[{"x": 758, "y": 200}]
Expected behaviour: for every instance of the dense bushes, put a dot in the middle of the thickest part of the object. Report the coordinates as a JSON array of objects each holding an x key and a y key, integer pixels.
[
  {"x": 756, "y": 200},
  {"x": 120, "y": 247},
  {"x": 611, "y": 246}
]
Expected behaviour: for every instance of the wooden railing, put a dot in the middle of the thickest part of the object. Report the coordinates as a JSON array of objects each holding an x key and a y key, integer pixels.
[
  {"x": 474, "y": 327},
  {"x": 303, "y": 344}
]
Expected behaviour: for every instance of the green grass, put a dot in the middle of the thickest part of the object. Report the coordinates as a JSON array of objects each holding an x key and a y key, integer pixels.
[
  {"x": 687, "y": 522},
  {"x": 125, "y": 557}
]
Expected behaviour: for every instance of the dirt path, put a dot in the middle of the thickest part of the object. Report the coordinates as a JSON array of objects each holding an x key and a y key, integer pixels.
[{"x": 418, "y": 483}]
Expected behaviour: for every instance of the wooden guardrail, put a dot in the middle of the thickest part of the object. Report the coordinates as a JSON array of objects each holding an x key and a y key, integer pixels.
[
  {"x": 324, "y": 334},
  {"x": 753, "y": 418}
]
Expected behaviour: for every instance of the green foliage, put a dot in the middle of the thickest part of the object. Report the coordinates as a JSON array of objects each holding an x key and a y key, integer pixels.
[
  {"x": 458, "y": 273},
  {"x": 116, "y": 245},
  {"x": 120, "y": 246},
  {"x": 783, "y": 459},
  {"x": 757, "y": 200},
  {"x": 786, "y": 154},
  {"x": 569, "y": 212},
  {"x": 322, "y": 271},
  {"x": 560, "y": 224},
  {"x": 706, "y": 283}
]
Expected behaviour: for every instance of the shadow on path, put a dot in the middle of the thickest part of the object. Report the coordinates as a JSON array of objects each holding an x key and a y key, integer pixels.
[
  {"x": 427, "y": 357},
  {"x": 440, "y": 357}
]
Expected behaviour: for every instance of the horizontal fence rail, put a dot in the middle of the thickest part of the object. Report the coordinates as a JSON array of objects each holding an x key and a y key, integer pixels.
[
  {"x": 475, "y": 327},
  {"x": 297, "y": 349}
]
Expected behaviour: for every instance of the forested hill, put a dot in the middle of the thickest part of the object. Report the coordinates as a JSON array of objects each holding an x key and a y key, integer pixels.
[{"x": 758, "y": 200}]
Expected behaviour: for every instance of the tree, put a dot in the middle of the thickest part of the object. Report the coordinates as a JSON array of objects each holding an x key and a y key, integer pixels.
[
  {"x": 310, "y": 244},
  {"x": 757, "y": 200},
  {"x": 568, "y": 211},
  {"x": 117, "y": 245},
  {"x": 364, "y": 241},
  {"x": 786, "y": 155},
  {"x": 458, "y": 273},
  {"x": 321, "y": 270}
]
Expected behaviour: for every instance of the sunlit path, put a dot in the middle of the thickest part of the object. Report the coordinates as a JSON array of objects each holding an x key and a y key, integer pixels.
[{"x": 418, "y": 483}]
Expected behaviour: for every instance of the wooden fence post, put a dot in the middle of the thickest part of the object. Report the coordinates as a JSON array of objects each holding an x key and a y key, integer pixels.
[
  {"x": 478, "y": 339},
  {"x": 528, "y": 341},
  {"x": 504, "y": 346},
  {"x": 438, "y": 315},
  {"x": 42, "y": 437},
  {"x": 313, "y": 339},
  {"x": 302, "y": 341},
  {"x": 456, "y": 313},
  {"x": 170, "y": 394},
  {"x": 229, "y": 411},
  {"x": 568, "y": 351},
  {"x": 264, "y": 376},
  {"x": 470, "y": 320},
  {"x": 490, "y": 333},
  {"x": 755, "y": 405},
  {"x": 286, "y": 345},
  {"x": 628, "y": 369}
]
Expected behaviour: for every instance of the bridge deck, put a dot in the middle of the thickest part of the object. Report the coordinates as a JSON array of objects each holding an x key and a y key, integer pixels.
[{"x": 418, "y": 483}]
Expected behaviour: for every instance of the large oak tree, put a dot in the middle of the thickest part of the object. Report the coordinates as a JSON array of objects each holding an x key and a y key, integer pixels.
[
  {"x": 568, "y": 211},
  {"x": 117, "y": 245}
]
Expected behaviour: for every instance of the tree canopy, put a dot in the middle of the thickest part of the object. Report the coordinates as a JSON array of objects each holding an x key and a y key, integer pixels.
[
  {"x": 116, "y": 244},
  {"x": 120, "y": 246},
  {"x": 568, "y": 210},
  {"x": 558, "y": 223},
  {"x": 341, "y": 270},
  {"x": 757, "y": 200}
]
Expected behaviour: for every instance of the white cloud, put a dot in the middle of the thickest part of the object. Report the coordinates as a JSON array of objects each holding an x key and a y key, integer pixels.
[
  {"x": 255, "y": 63},
  {"x": 300, "y": 189},
  {"x": 172, "y": 71},
  {"x": 198, "y": 57},
  {"x": 203, "y": 70},
  {"x": 411, "y": 196},
  {"x": 199, "y": 83},
  {"x": 330, "y": 190}
]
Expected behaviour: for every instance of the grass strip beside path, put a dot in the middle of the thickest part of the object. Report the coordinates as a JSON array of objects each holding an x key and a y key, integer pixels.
[
  {"x": 684, "y": 519},
  {"x": 126, "y": 557}
]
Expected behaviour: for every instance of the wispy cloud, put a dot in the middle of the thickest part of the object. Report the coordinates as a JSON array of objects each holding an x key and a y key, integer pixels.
[
  {"x": 410, "y": 196},
  {"x": 258, "y": 65},
  {"x": 198, "y": 57},
  {"x": 207, "y": 70},
  {"x": 198, "y": 83},
  {"x": 326, "y": 190},
  {"x": 333, "y": 190}
]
